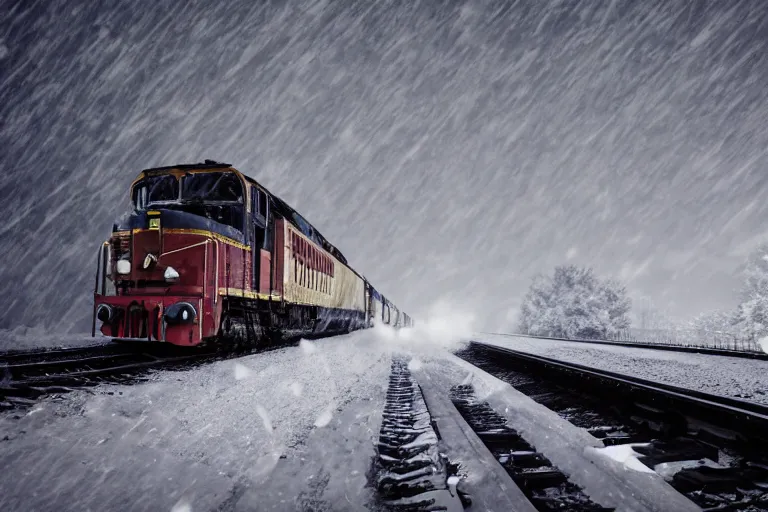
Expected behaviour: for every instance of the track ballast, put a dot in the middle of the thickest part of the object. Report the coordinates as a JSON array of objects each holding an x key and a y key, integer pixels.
[{"x": 710, "y": 448}]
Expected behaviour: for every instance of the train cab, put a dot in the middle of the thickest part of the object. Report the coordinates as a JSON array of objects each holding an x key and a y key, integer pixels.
[{"x": 193, "y": 230}]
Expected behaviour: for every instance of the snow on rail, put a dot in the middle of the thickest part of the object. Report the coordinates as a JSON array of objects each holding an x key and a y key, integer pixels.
[
  {"x": 745, "y": 379},
  {"x": 748, "y": 350}
]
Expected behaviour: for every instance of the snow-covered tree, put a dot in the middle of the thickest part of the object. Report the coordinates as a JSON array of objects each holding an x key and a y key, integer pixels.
[
  {"x": 573, "y": 302},
  {"x": 751, "y": 316},
  {"x": 649, "y": 316},
  {"x": 713, "y": 322}
]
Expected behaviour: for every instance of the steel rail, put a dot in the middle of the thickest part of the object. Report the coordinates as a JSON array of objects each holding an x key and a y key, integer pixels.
[
  {"x": 109, "y": 370},
  {"x": 67, "y": 362},
  {"x": 37, "y": 354},
  {"x": 28, "y": 376},
  {"x": 647, "y": 345},
  {"x": 748, "y": 419}
]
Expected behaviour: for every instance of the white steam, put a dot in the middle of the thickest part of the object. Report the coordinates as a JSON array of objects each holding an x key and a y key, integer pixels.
[
  {"x": 764, "y": 344},
  {"x": 446, "y": 326}
]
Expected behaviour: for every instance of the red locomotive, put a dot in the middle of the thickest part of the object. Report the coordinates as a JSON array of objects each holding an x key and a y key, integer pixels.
[{"x": 207, "y": 252}]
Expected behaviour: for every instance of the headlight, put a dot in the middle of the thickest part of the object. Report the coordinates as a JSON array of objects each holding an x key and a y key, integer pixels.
[
  {"x": 180, "y": 313},
  {"x": 171, "y": 275},
  {"x": 123, "y": 267},
  {"x": 105, "y": 313}
]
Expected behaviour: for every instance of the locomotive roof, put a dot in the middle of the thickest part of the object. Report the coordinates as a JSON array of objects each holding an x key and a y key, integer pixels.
[
  {"x": 282, "y": 207},
  {"x": 208, "y": 164}
]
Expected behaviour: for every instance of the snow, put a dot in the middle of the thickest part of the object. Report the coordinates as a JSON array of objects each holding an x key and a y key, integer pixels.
[
  {"x": 414, "y": 364},
  {"x": 182, "y": 506},
  {"x": 264, "y": 415},
  {"x": 325, "y": 417},
  {"x": 450, "y": 150},
  {"x": 308, "y": 347},
  {"x": 668, "y": 469},
  {"x": 625, "y": 455},
  {"x": 27, "y": 338},
  {"x": 727, "y": 376},
  {"x": 247, "y": 427},
  {"x": 245, "y": 437},
  {"x": 444, "y": 328},
  {"x": 241, "y": 372},
  {"x": 570, "y": 448},
  {"x": 763, "y": 342}
]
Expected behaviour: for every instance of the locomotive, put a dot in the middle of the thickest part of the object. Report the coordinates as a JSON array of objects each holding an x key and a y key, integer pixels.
[{"x": 207, "y": 253}]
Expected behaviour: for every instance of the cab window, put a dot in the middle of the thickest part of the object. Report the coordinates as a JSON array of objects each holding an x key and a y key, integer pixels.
[
  {"x": 212, "y": 186},
  {"x": 155, "y": 189}
]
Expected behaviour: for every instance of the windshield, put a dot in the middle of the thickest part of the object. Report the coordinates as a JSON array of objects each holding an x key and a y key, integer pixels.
[
  {"x": 155, "y": 189},
  {"x": 198, "y": 187},
  {"x": 217, "y": 196},
  {"x": 212, "y": 186}
]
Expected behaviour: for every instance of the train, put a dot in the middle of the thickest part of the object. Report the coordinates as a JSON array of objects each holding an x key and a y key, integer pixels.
[{"x": 207, "y": 253}]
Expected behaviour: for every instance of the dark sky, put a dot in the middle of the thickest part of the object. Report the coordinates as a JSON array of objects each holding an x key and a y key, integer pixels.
[{"x": 451, "y": 150}]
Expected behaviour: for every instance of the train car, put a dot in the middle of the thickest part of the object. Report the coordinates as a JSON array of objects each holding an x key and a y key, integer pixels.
[{"x": 208, "y": 253}]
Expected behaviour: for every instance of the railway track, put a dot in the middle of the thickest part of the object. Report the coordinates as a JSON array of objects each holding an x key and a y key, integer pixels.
[
  {"x": 545, "y": 485},
  {"x": 27, "y": 376},
  {"x": 711, "y": 449},
  {"x": 443, "y": 448},
  {"x": 669, "y": 347}
]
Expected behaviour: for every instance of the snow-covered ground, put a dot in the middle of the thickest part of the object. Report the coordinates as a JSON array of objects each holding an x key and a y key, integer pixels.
[
  {"x": 204, "y": 436},
  {"x": 289, "y": 429},
  {"x": 727, "y": 376},
  {"x": 29, "y": 338}
]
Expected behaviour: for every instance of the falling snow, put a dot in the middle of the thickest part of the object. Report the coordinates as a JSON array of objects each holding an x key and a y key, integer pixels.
[
  {"x": 182, "y": 506},
  {"x": 451, "y": 151},
  {"x": 307, "y": 347},
  {"x": 241, "y": 372},
  {"x": 325, "y": 417},
  {"x": 262, "y": 412}
]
